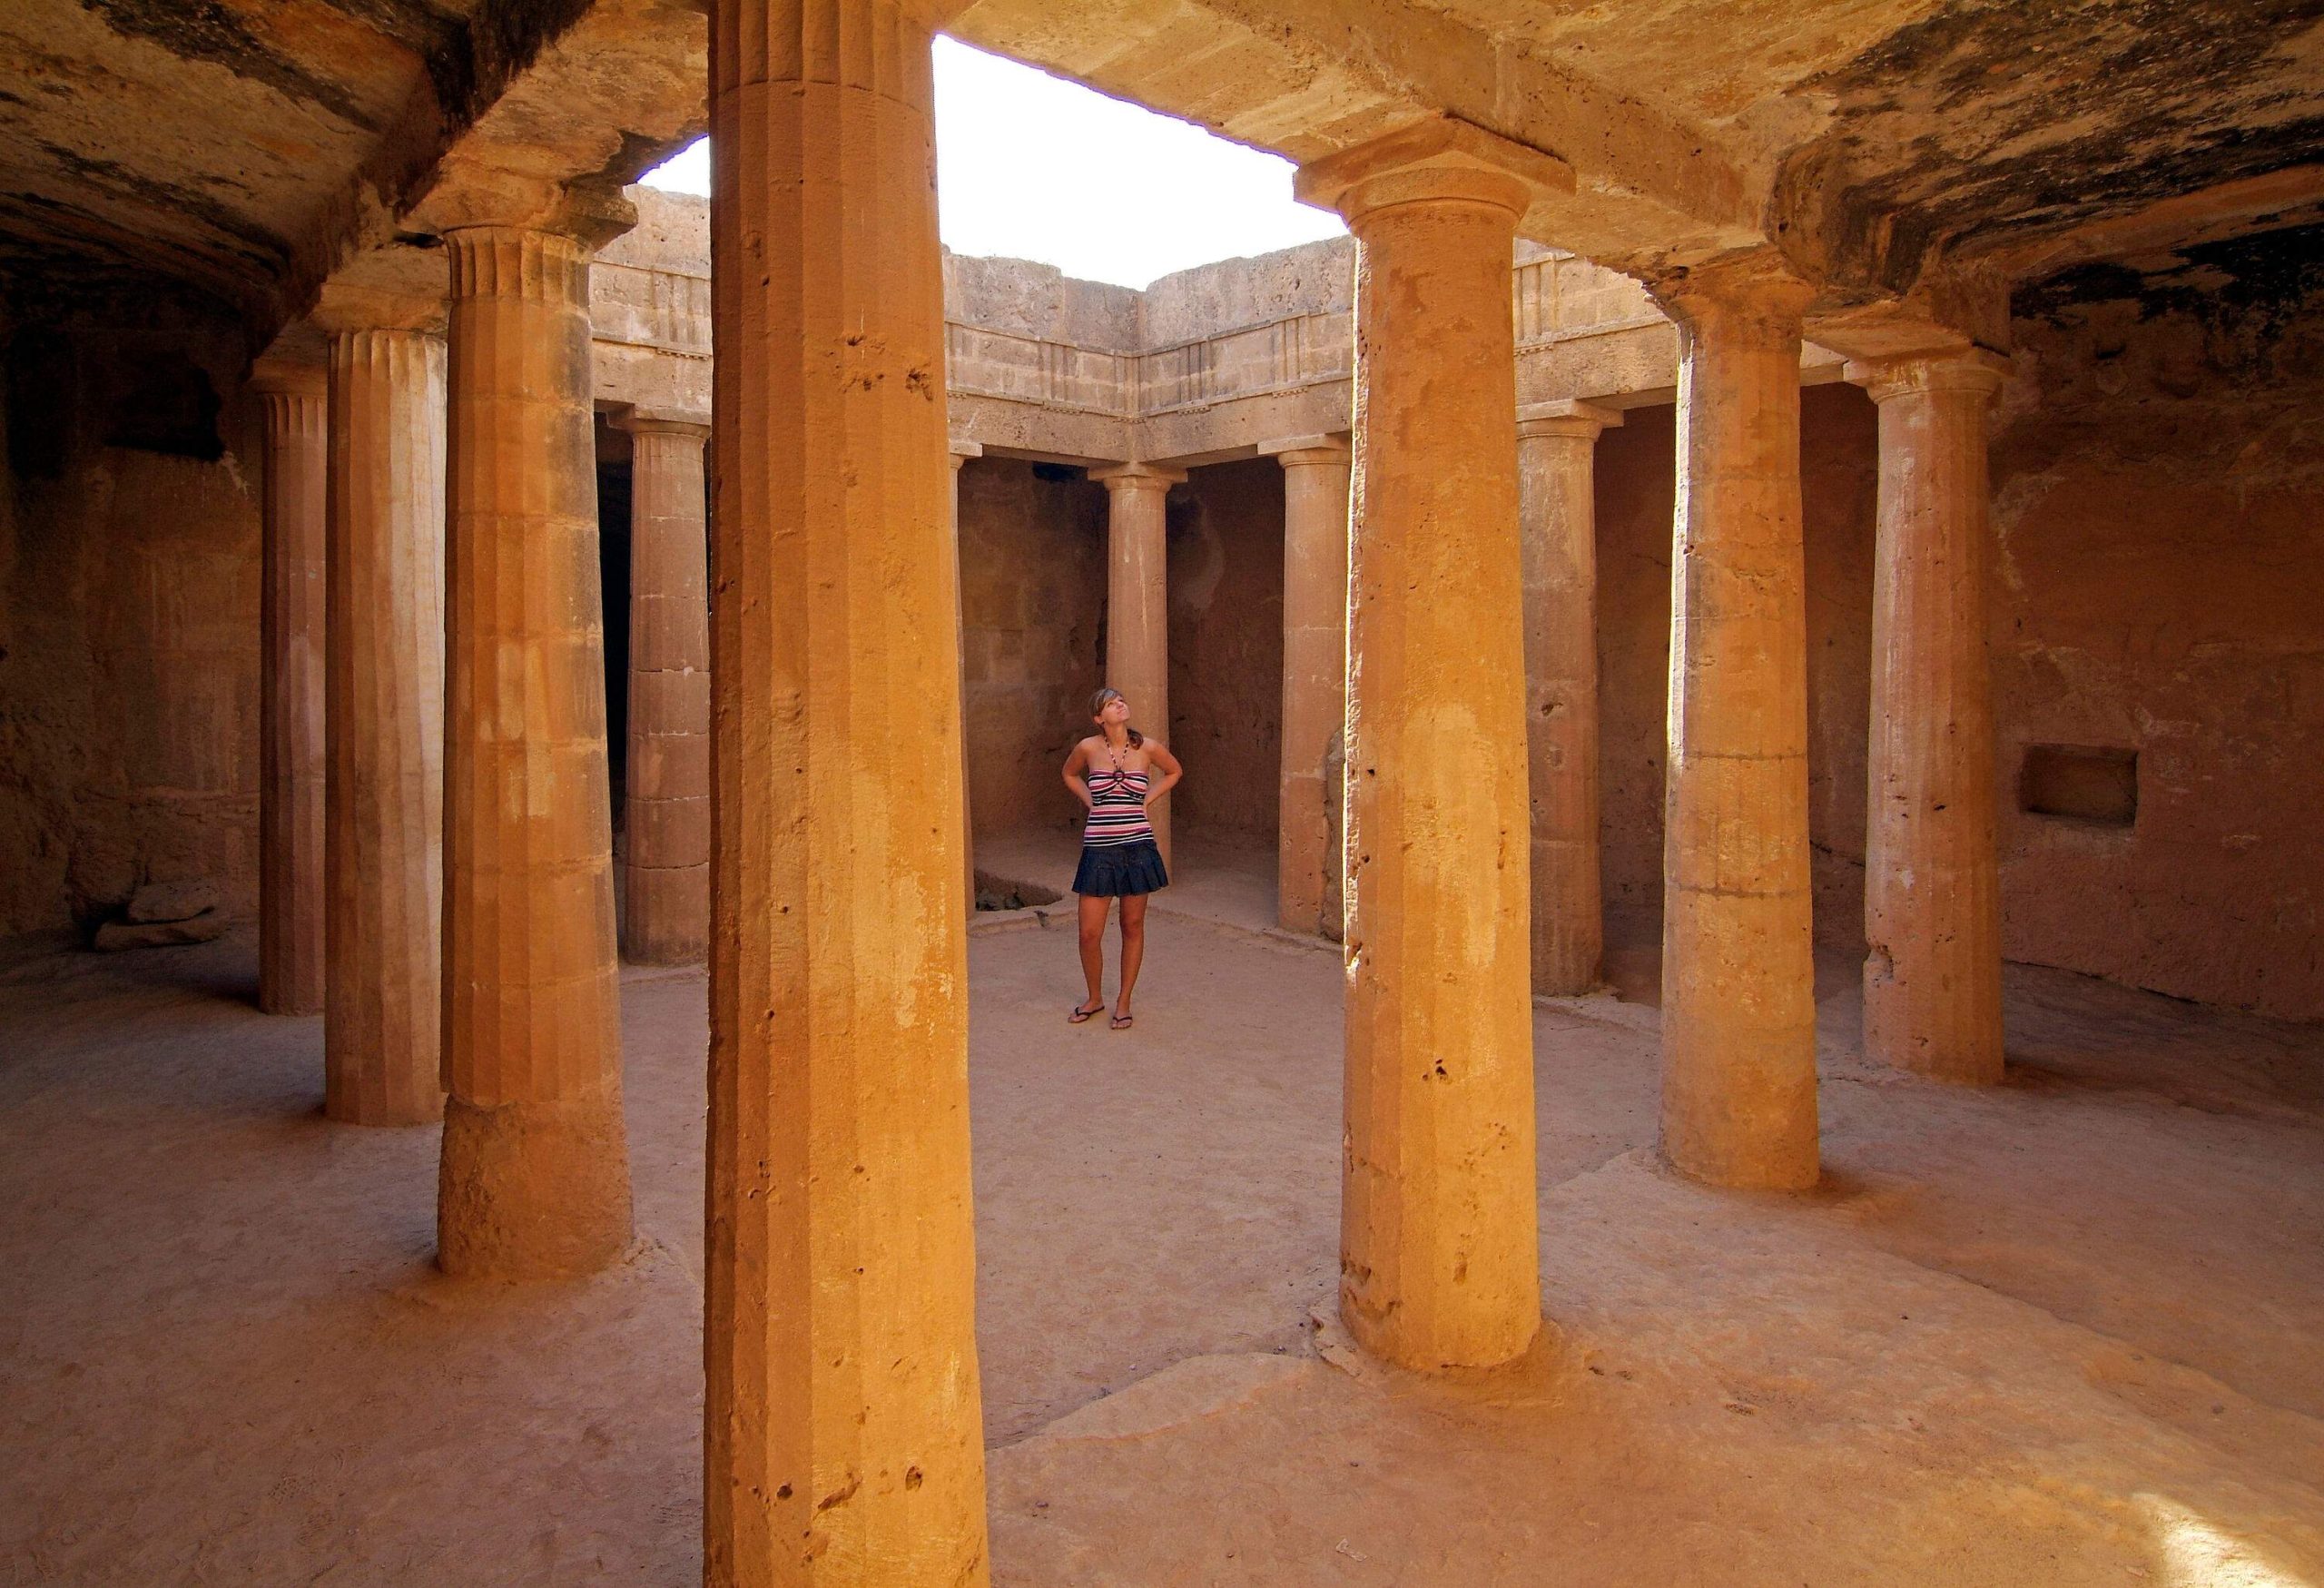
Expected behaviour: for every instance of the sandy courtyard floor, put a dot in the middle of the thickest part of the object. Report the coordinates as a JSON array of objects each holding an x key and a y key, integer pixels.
[{"x": 2062, "y": 1332}]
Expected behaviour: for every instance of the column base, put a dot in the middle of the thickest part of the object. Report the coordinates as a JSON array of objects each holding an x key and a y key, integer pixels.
[{"x": 535, "y": 1191}]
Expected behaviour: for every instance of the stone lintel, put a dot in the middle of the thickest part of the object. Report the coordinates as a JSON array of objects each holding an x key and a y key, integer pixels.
[
  {"x": 1336, "y": 446},
  {"x": 1128, "y": 476},
  {"x": 962, "y": 450},
  {"x": 1974, "y": 369},
  {"x": 1438, "y": 157},
  {"x": 1566, "y": 416}
]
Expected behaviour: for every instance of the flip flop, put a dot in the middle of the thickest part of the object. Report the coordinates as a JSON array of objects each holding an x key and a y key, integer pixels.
[
  {"x": 1120, "y": 1022},
  {"x": 1078, "y": 1015}
]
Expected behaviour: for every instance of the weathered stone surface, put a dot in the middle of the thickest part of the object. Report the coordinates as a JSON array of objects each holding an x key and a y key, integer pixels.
[
  {"x": 163, "y": 902},
  {"x": 1314, "y": 667},
  {"x": 116, "y": 935}
]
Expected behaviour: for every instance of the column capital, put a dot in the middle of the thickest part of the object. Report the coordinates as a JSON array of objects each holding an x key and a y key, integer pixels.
[
  {"x": 1566, "y": 416},
  {"x": 1336, "y": 449},
  {"x": 280, "y": 377},
  {"x": 1974, "y": 370},
  {"x": 473, "y": 197},
  {"x": 960, "y": 450},
  {"x": 1437, "y": 159},
  {"x": 642, "y": 421},
  {"x": 1739, "y": 290},
  {"x": 345, "y": 308},
  {"x": 1118, "y": 477}
]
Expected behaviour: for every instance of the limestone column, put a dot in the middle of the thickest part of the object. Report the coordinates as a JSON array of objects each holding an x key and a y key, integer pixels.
[
  {"x": 961, "y": 452},
  {"x": 1557, "y": 443},
  {"x": 1138, "y": 602},
  {"x": 292, "y": 775},
  {"x": 1314, "y": 664},
  {"x": 1932, "y": 887},
  {"x": 1439, "y": 1255},
  {"x": 384, "y": 689},
  {"x": 1738, "y": 1005},
  {"x": 844, "y": 1428},
  {"x": 666, "y": 874},
  {"x": 534, "y": 1179}
]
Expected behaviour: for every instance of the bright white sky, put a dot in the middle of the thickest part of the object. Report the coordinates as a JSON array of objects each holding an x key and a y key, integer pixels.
[{"x": 1034, "y": 167}]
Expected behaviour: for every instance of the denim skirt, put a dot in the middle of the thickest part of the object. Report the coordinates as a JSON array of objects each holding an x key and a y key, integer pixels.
[{"x": 1114, "y": 870}]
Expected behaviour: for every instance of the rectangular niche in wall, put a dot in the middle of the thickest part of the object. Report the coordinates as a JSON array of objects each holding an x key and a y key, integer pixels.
[{"x": 2081, "y": 783}]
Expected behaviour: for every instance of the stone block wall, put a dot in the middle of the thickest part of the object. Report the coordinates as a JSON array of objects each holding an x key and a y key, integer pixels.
[{"x": 1226, "y": 540}]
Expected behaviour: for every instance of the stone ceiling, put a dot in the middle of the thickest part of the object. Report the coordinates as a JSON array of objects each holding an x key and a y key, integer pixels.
[{"x": 250, "y": 149}]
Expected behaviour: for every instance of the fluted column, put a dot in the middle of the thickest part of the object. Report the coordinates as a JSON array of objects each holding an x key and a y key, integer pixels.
[
  {"x": 1439, "y": 1256},
  {"x": 1932, "y": 887},
  {"x": 384, "y": 686},
  {"x": 1557, "y": 444},
  {"x": 1314, "y": 664},
  {"x": 295, "y": 513},
  {"x": 1138, "y": 602},
  {"x": 665, "y": 872},
  {"x": 535, "y": 1177},
  {"x": 960, "y": 453},
  {"x": 844, "y": 1428},
  {"x": 1738, "y": 1005}
]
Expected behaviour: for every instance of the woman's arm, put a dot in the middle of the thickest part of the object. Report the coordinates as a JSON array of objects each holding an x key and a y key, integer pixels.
[
  {"x": 1073, "y": 778},
  {"x": 1158, "y": 755}
]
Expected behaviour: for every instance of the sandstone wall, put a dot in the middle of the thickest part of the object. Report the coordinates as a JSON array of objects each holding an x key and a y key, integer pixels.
[
  {"x": 129, "y": 537},
  {"x": 2162, "y": 592},
  {"x": 1033, "y": 595},
  {"x": 1227, "y": 649}
]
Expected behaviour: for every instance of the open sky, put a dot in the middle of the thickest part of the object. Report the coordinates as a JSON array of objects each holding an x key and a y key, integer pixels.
[{"x": 1034, "y": 167}]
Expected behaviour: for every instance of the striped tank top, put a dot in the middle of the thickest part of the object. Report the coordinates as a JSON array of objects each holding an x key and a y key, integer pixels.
[{"x": 1117, "y": 809}]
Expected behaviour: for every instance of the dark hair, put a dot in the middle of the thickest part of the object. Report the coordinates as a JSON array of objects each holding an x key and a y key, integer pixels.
[{"x": 1097, "y": 705}]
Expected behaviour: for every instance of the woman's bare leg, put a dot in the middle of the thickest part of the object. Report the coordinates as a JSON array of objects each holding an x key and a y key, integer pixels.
[
  {"x": 1133, "y": 947},
  {"x": 1093, "y": 946}
]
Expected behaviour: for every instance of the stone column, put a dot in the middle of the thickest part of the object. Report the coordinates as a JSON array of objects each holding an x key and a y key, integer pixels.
[
  {"x": 296, "y": 397},
  {"x": 384, "y": 686},
  {"x": 1932, "y": 887},
  {"x": 1738, "y": 975},
  {"x": 1439, "y": 1255},
  {"x": 845, "y": 1426},
  {"x": 666, "y": 874},
  {"x": 1556, "y": 447},
  {"x": 1314, "y": 664},
  {"x": 961, "y": 451},
  {"x": 534, "y": 1179},
  {"x": 1138, "y": 602}
]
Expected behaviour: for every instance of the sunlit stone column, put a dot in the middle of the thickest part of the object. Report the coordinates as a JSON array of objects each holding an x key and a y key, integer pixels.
[
  {"x": 1932, "y": 889},
  {"x": 845, "y": 1441},
  {"x": 666, "y": 874},
  {"x": 384, "y": 707},
  {"x": 296, "y": 399},
  {"x": 1738, "y": 1005},
  {"x": 1438, "y": 1259},
  {"x": 1138, "y": 602},
  {"x": 1557, "y": 443},
  {"x": 961, "y": 451},
  {"x": 534, "y": 1179},
  {"x": 1315, "y": 663}
]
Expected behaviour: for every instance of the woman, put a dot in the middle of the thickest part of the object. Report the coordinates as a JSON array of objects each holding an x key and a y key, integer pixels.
[{"x": 1110, "y": 773}]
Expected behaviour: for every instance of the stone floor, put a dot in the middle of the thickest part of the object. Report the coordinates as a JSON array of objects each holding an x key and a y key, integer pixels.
[{"x": 2063, "y": 1331}]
